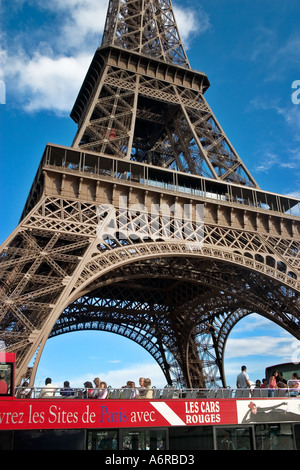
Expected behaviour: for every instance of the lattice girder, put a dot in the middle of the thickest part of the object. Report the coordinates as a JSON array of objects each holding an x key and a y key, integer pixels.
[
  {"x": 209, "y": 308},
  {"x": 69, "y": 228},
  {"x": 107, "y": 263},
  {"x": 147, "y": 27},
  {"x": 87, "y": 314},
  {"x": 136, "y": 114},
  {"x": 65, "y": 246}
]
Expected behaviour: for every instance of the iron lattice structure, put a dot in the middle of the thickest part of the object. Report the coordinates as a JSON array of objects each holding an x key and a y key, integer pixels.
[{"x": 149, "y": 226}]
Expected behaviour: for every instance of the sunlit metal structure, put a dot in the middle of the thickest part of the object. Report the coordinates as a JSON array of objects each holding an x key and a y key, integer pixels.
[{"x": 149, "y": 225}]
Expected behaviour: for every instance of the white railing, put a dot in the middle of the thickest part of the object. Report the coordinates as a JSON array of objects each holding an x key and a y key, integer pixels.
[{"x": 157, "y": 393}]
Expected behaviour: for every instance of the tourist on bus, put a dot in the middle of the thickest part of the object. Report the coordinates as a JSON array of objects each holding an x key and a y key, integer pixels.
[
  {"x": 294, "y": 385},
  {"x": 67, "y": 391},
  {"x": 49, "y": 390},
  {"x": 273, "y": 383},
  {"x": 3, "y": 384},
  {"x": 242, "y": 380},
  {"x": 140, "y": 390},
  {"x": 148, "y": 391},
  {"x": 257, "y": 384},
  {"x": 103, "y": 391},
  {"x": 97, "y": 383},
  {"x": 88, "y": 392},
  {"x": 24, "y": 391},
  {"x": 264, "y": 383},
  {"x": 134, "y": 391},
  {"x": 281, "y": 382}
]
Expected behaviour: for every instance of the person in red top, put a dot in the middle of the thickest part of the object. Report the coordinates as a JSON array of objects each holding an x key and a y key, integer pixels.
[
  {"x": 3, "y": 385},
  {"x": 272, "y": 383},
  {"x": 264, "y": 383}
]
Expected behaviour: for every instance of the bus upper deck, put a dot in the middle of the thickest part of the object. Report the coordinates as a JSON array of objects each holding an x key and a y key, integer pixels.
[{"x": 173, "y": 419}]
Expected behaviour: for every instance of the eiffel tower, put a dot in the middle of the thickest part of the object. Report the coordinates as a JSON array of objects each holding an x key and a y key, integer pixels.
[{"x": 149, "y": 225}]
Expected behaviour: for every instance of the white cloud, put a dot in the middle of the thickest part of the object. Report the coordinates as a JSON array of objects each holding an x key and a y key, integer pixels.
[
  {"x": 46, "y": 83},
  {"x": 3, "y": 59},
  {"x": 82, "y": 21},
  {"x": 290, "y": 114},
  {"x": 290, "y": 51},
  {"x": 253, "y": 322},
  {"x": 295, "y": 194},
  {"x": 256, "y": 353},
  {"x": 267, "y": 160},
  {"x": 260, "y": 345},
  {"x": 277, "y": 153},
  {"x": 115, "y": 378},
  {"x": 49, "y": 77},
  {"x": 190, "y": 22},
  {"x": 268, "y": 339}
]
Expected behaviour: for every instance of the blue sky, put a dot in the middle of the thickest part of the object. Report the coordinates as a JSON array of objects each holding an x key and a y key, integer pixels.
[{"x": 250, "y": 50}]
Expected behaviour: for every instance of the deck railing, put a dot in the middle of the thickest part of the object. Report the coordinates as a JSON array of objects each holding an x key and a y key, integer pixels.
[{"x": 157, "y": 393}]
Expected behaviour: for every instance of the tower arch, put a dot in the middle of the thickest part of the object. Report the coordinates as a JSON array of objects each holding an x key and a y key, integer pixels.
[{"x": 151, "y": 190}]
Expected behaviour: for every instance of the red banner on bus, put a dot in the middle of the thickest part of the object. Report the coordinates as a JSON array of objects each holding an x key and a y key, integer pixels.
[{"x": 76, "y": 413}]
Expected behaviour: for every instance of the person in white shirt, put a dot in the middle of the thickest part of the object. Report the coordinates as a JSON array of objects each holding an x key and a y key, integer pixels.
[
  {"x": 242, "y": 380},
  {"x": 49, "y": 389}
]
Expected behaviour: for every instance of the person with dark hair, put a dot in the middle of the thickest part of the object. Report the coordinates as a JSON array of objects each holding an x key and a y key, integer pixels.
[
  {"x": 3, "y": 384},
  {"x": 88, "y": 392},
  {"x": 273, "y": 383},
  {"x": 281, "y": 382},
  {"x": 49, "y": 389},
  {"x": 294, "y": 385},
  {"x": 242, "y": 380},
  {"x": 67, "y": 391},
  {"x": 103, "y": 391},
  {"x": 264, "y": 383}
]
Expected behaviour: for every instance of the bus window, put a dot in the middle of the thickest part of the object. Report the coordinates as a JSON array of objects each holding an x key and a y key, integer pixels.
[
  {"x": 274, "y": 436},
  {"x": 6, "y": 440},
  {"x": 6, "y": 379},
  {"x": 103, "y": 440},
  {"x": 144, "y": 439},
  {"x": 191, "y": 438},
  {"x": 229, "y": 438},
  {"x": 48, "y": 439},
  {"x": 297, "y": 436}
]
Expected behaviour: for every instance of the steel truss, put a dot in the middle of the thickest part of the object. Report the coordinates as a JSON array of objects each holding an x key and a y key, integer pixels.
[{"x": 150, "y": 226}]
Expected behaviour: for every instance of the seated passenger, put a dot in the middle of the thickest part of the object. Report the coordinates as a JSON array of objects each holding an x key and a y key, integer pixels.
[
  {"x": 147, "y": 392},
  {"x": 88, "y": 392},
  {"x": 103, "y": 392},
  {"x": 25, "y": 390},
  {"x": 3, "y": 384},
  {"x": 131, "y": 385},
  {"x": 264, "y": 383},
  {"x": 257, "y": 384},
  {"x": 49, "y": 389},
  {"x": 67, "y": 391},
  {"x": 281, "y": 382},
  {"x": 135, "y": 391},
  {"x": 294, "y": 385},
  {"x": 97, "y": 383},
  {"x": 128, "y": 384},
  {"x": 140, "y": 390}
]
